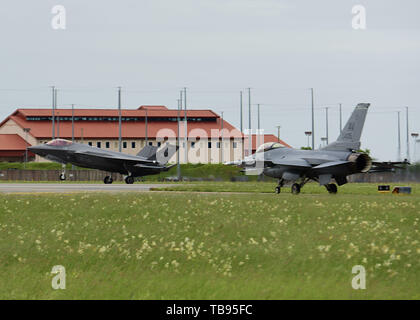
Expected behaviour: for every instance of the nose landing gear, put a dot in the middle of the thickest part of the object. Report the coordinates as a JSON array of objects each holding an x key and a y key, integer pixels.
[{"x": 108, "y": 180}]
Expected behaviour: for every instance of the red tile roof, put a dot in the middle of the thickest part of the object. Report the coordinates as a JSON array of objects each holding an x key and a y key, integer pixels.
[
  {"x": 130, "y": 129},
  {"x": 9, "y": 142}
]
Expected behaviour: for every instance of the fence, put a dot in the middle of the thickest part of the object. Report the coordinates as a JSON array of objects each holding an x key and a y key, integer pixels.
[{"x": 53, "y": 175}]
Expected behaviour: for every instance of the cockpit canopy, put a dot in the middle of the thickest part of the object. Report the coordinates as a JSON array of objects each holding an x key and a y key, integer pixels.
[
  {"x": 59, "y": 143},
  {"x": 269, "y": 146}
]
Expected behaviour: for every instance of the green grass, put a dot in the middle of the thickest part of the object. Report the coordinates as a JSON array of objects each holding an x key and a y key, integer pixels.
[
  {"x": 210, "y": 246},
  {"x": 268, "y": 187}
]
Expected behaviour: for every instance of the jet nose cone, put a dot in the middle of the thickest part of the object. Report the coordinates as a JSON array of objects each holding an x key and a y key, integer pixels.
[{"x": 37, "y": 149}]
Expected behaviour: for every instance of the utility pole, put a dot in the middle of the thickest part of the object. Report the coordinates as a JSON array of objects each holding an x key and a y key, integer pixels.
[
  {"x": 72, "y": 123},
  {"x": 26, "y": 130},
  {"x": 186, "y": 124},
  {"x": 178, "y": 166},
  {"x": 119, "y": 120},
  {"x": 408, "y": 142},
  {"x": 58, "y": 114},
  {"x": 399, "y": 137},
  {"x": 72, "y": 128},
  {"x": 249, "y": 126},
  {"x": 53, "y": 113},
  {"x": 222, "y": 144},
  {"x": 241, "y": 112},
  {"x": 145, "y": 128},
  {"x": 259, "y": 127},
  {"x": 278, "y": 132},
  {"x": 313, "y": 120},
  {"x": 341, "y": 120},
  {"x": 326, "y": 124}
]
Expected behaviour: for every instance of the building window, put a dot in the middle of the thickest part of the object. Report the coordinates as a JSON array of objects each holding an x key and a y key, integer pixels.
[
  {"x": 133, "y": 145},
  {"x": 90, "y": 143},
  {"x": 159, "y": 144},
  {"x": 125, "y": 144},
  {"x": 235, "y": 145},
  {"x": 209, "y": 145},
  {"x": 218, "y": 144},
  {"x": 107, "y": 144},
  {"x": 150, "y": 143},
  {"x": 98, "y": 144},
  {"x": 192, "y": 144}
]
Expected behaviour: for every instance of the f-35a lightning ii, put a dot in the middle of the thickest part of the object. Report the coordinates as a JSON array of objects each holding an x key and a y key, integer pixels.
[
  {"x": 335, "y": 161},
  {"x": 147, "y": 162}
]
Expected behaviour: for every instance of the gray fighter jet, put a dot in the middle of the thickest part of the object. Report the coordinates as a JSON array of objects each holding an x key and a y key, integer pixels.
[
  {"x": 147, "y": 162},
  {"x": 334, "y": 162}
]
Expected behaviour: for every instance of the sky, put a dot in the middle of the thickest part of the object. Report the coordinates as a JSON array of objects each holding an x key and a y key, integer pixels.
[{"x": 216, "y": 48}]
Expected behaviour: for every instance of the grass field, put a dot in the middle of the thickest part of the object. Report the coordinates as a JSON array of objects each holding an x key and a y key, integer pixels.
[{"x": 175, "y": 245}]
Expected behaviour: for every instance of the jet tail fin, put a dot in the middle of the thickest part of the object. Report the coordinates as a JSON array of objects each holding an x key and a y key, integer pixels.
[
  {"x": 148, "y": 152},
  {"x": 349, "y": 138},
  {"x": 165, "y": 154}
]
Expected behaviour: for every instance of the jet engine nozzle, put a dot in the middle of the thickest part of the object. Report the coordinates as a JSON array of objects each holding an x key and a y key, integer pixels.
[{"x": 361, "y": 162}]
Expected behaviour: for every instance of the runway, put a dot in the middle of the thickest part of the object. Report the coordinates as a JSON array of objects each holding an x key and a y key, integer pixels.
[{"x": 75, "y": 187}]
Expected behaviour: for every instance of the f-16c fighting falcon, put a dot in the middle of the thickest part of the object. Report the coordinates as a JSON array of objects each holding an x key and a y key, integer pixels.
[
  {"x": 335, "y": 161},
  {"x": 147, "y": 162}
]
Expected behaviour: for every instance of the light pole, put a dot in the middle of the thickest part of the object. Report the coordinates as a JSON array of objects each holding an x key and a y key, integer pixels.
[
  {"x": 119, "y": 119},
  {"x": 26, "y": 130},
  {"x": 313, "y": 119},
  {"x": 221, "y": 147},
  {"x": 249, "y": 124},
  {"x": 308, "y": 134},
  {"x": 326, "y": 124},
  {"x": 278, "y": 132},
  {"x": 178, "y": 166}
]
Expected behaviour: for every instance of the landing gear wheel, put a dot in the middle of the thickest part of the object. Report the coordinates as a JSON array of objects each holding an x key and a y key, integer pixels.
[
  {"x": 108, "y": 180},
  {"x": 332, "y": 188},
  {"x": 62, "y": 176},
  {"x": 129, "y": 180},
  {"x": 278, "y": 190},
  {"x": 295, "y": 188}
]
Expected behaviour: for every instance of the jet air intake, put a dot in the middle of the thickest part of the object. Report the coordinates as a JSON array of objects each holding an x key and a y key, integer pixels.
[{"x": 361, "y": 162}]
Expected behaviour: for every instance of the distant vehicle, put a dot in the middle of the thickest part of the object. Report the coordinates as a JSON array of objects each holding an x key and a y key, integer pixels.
[
  {"x": 335, "y": 161},
  {"x": 148, "y": 161}
]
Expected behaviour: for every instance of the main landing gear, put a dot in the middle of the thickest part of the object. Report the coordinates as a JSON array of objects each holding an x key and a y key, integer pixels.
[
  {"x": 332, "y": 188},
  {"x": 295, "y": 187},
  {"x": 129, "y": 180},
  {"x": 108, "y": 180}
]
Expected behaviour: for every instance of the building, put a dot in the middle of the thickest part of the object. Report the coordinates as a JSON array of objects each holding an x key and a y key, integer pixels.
[
  {"x": 13, "y": 148},
  {"x": 153, "y": 125}
]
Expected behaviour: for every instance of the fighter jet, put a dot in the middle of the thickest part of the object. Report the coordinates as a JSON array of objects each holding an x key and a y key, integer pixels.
[
  {"x": 147, "y": 162},
  {"x": 335, "y": 161}
]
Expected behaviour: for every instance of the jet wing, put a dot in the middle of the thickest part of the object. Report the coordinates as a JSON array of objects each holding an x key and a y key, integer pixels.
[
  {"x": 330, "y": 167},
  {"x": 110, "y": 156},
  {"x": 287, "y": 162}
]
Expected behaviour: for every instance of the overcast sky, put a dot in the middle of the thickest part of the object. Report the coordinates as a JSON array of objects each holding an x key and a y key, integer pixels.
[{"x": 215, "y": 48}]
